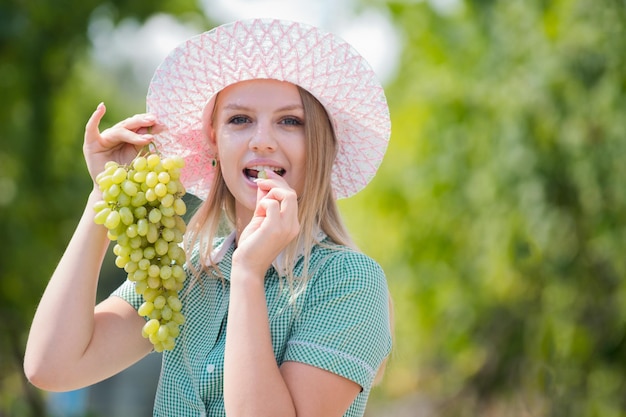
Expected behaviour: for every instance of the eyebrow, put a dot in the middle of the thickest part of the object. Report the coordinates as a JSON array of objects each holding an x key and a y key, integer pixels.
[{"x": 239, "y": 107}]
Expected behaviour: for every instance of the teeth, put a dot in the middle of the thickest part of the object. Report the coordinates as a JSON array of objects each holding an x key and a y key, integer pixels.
[{"x": 265, "y": 168}]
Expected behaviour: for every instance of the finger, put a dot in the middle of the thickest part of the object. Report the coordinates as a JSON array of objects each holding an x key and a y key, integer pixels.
[
  {"x": 143, "y": 121},
  {"x": 153, "y": 130},
  {"x": 268, "y": 208},
  {"x": 261, "y": 191},
  {"x": 92, "y": 130},
  {"x": 289, "y": 204},
  {"x": 115, "y": 135}
]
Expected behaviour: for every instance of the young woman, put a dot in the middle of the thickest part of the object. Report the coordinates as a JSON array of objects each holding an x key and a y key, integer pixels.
[{"x": 284, "y": 316}]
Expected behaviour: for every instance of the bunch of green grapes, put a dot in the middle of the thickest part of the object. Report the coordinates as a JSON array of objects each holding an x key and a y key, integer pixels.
[{"x": 142, "y": 207}]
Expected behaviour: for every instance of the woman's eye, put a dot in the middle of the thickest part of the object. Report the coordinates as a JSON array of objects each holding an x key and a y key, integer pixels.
[
  {"x": 238, "y": 120},
  {"x": 291, "y": 121}
]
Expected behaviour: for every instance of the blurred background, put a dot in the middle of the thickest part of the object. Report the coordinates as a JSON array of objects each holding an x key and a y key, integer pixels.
[{"x": 498, "y": 214}]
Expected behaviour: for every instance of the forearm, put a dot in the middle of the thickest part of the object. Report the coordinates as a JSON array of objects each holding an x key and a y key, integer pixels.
[
  {"x": 253, "y": 384},
  {"x": 63, "y": 324}
]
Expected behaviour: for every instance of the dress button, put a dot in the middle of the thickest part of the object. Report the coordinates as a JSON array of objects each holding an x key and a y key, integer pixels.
[{"x": 210, "y": 368}]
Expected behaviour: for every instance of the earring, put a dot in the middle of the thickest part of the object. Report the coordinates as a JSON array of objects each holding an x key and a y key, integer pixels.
[{"x": 213, "y": 162}]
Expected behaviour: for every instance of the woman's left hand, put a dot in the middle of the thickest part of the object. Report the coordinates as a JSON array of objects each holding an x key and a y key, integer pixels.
[{"x": 273, "y": 226}]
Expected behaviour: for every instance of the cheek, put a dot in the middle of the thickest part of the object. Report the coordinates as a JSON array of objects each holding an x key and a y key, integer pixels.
[{"x": 225, "y": 144}]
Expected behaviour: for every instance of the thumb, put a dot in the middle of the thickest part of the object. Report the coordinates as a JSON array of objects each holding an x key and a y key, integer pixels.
[{"x": 92, "y": 130}]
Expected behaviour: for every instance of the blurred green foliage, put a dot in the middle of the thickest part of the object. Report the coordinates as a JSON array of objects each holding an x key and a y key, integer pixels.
[
  {"x": 499, "y": 213},
  {"x": 49, "y": 88}
]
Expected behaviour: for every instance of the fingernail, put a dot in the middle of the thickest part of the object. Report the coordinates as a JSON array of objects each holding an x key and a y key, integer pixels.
[{"x": 147, "y": 137}]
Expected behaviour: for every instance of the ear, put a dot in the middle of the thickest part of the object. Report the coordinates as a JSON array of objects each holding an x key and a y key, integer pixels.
[
  {"x": 211, "y": 137},
  {"x": 207, "y": 125}
]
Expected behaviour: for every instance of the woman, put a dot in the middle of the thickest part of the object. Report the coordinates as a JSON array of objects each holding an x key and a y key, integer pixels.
[{"x": 283, "y": 315}]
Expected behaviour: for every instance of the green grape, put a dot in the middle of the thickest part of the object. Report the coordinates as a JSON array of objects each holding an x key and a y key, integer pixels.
[
  {"x": 140, "y": 177},
  {"x": 136, "y": 255},
  {"x": 170, "y": 284},
  {"x": 166, "y": 272},
  {"x": 163, "y": 177},
  {"x": 151, "y": 195},
  {"x": 167, "y": 211},
  {"x": 174, "y": 303},
  {"x": 142, "y": 210},
  {"x": 121, "y": 261},
  {"x": 102, "y": 215},
  {"x": 178, "y": 317},
  {"x": 180, "y": 207},
  {"x": 100, "y": 205},
  {"x": 168, "y": 344},
  {"x": 153, "y": 160},
  {"x": 173, "y": 328},
  {"x": 140, "y": 274},
  {"x": 144, "y": 264},
  {"x": 132, "y": 231},
  {"x": 149, "y": 252},
  {"x": 140, "y": 163},
  {"x": 152, "y": 179},
  {"x": 168, "y": 234},
  {"x": 167, "y": 200},
  {"x": 126, "y": 215},
  {"x": 161, "y": 246},
  {"x": 135, "y": 242},
  {"x": 150, "y": 294},
  {"x": 155, "y": 215},
  {"x": 168, "y": 222},
  {"x": 166, "y": 313},
  {"x": 163, "y": 332},
  {"x": 104, "y": 182},
  {"x": 141, "y": 287},
  {"x": 160, "y": 189},
  {"x": 146, "y": 308},
  {"x": 119, "y": 175},
  {"x": 130, "y": 187},
  {"x": 123, "y": 199},
  {"x": 154, "y": 271},
  {"x": 174, "y": 174},
  {"x": 129, "y": 265},
  {"x": 151, "y": 327},
  {"x": 142, "y": 227},
  {"x": 153, "y": 282},
  {"x": 112, "y": 220}
]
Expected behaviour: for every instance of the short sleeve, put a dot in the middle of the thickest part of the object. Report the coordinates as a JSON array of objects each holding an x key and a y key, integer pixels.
[
  {"x": 343, "y": 326},
  {"x": 127, "y": 292}
]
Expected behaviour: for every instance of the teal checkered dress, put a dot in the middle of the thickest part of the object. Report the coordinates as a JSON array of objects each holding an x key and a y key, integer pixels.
[{"x": 337, "y": 321}]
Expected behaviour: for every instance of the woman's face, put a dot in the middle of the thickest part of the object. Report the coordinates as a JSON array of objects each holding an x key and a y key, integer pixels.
[{"x": 259, "y": 124}]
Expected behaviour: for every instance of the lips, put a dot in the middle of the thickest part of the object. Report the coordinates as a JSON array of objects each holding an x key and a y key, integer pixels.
[{"x": 253, "y": 171}]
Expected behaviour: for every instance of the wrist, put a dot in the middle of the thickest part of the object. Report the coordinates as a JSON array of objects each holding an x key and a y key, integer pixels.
[{"x": 244, "y": 273}]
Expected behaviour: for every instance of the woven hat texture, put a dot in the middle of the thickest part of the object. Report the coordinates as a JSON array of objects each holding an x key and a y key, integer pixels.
[{"x": 320, "y": 62}]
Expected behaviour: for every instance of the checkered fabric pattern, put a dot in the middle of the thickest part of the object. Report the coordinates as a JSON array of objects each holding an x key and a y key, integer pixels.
[{"x": 337, "y": 321}]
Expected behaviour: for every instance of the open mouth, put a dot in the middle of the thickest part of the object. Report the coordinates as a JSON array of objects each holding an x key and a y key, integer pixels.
[{"x": 253, "y": 172}]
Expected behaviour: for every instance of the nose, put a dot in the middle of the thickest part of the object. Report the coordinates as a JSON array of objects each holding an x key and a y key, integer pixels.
[{"x": 263, "y": 139}]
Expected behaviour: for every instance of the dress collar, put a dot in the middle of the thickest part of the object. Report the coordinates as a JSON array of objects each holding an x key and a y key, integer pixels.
[{"x": 218, "y": 253}]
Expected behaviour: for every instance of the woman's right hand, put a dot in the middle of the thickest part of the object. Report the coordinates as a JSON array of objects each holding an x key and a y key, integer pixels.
[{"x": 119, "y": 143}]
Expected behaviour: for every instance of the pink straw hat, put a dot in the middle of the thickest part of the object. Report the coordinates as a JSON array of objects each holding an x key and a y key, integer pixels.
[{"x": 321, "y": 63}]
